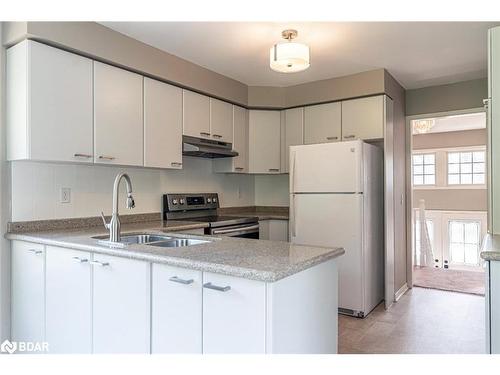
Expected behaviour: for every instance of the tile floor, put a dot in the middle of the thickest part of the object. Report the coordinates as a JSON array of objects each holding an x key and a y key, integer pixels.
[{"x": 423, "y": 321}]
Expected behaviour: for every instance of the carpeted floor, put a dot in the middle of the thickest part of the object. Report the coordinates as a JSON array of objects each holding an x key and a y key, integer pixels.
[{"x": 471, "y": 282}]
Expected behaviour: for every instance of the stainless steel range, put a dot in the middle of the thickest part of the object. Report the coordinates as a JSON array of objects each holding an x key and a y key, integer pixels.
[{"x": 203, "y": 207}]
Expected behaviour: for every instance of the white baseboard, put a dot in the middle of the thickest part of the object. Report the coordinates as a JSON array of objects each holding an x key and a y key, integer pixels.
[{"x": 400, "y": 292}]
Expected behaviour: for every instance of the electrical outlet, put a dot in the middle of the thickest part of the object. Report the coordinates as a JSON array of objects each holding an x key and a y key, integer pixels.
[{"x": 65, "y": 195}]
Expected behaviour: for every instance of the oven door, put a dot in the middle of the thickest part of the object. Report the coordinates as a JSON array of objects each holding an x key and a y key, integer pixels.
[{"x": 242, "y": 230}]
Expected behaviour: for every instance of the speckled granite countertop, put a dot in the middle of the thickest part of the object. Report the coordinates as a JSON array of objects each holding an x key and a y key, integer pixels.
[
  {"x": 491, "y": 247},
  {"x": 261, "y": 260}
]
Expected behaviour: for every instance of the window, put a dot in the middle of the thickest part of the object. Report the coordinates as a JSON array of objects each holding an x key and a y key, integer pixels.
[
  {"x": 466, "y": 168},
  {"x": 464, "y": 241},
  {"x": 424, "y": 169}
]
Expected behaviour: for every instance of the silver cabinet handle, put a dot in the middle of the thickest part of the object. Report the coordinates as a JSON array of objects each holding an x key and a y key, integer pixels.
[
  {"x": 87, "y": 156},
  {"x": 205, "y": 134},
  {"x": 238, "y": 168},
  {"x": 216, "y": 287},
  {"x": 217, "y": 136},
  {"x": 176, "y": 279},
  {"x": 36, "y": 252},
  {"x": 103, "y": 157},
  {"x": 79, "y": 260},
  {"x": 175, "y": 164},
  {"x": 332, "y": 138},
  {"x": 98, "y": 263},
  {"x": 349, "y": 136},
  {"x": 274, "y": 169}
]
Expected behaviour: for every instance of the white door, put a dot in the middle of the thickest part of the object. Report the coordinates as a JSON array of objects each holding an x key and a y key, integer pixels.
[
  {"x": 363, "y": 118},
  {"x": 221, "y": 120},
  {"x": 333, "y": 220},
  {"x": 294, "y": 132},
  {"x": 196, "y": 114},
  {"x": 28, "y": 292},
  {"x": 68, "y": 301},
  {"x": 264, "y": 154},
  {"x": 162, "y": 125},
  {"x": 322, "y": 123},
  {"x": 118, "y": 116},
  {"x": 121, "y": 305},
  {"x": 60, "y": 105},
  {"x": 327, "y": 167},
  {"x": 176, "y": 310},
  {"x": 234, "y": 315}
]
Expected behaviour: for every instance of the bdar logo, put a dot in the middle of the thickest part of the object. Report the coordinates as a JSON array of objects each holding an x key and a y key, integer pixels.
[{"x": 8, "y": 347}]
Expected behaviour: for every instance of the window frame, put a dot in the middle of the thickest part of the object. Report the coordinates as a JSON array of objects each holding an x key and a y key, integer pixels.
[
  {"x": 423, "y": 169},
  {"x": 460, "y": 152}
]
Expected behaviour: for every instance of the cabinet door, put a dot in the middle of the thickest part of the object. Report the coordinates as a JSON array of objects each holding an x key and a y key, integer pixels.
[
  {"x": 60, "y": 105},
  {"x": 494, "y": 306},
  {"x": 68, "y": 301},
  {"x": 176, "y": 310},
  {"x": 234, "y": 315},
  {"x": 196, "y": 114},
  {"x": 322, "y": 123},
  {"x": 162, "y": 125},
  {"x": 363, "y": 118},
  {"x": 28, "y": 292},
  {"x": 121, "y": 305},
  {"x": 221, "y": 120},
  {"x": 118, "y": 117},
  {"x": 240, "y": 144},
  {"x": 264, "y": 141},
  {"x": 294, "y": 133}
]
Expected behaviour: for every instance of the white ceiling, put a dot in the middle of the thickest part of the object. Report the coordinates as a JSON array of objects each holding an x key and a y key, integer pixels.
[
  {"x": 417, "y": 54},
  {"x": 454, "y": 123}
]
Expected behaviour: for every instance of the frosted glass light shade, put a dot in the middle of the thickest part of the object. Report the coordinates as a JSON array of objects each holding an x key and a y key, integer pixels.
[{"x": 289, "y": 57}]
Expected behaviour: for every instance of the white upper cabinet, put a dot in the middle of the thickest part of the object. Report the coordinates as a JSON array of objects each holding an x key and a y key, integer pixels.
[
  {"x": 322, "y": 123},
  {"x": 363, "y": 118},
  {"x": 162, "y": 125},
  {"x": 264, "y": 141},
  {"x": 196, "y": 114},
  {"x": 237, "y": 164},
  {"x": 68, "y": 302},
  {"x": 118, "y": 116},
  {"x": 293, "y": 133},
  {"x": 221, "y": 120},
  {"x": 49, "y": 104},
  {"x": 121, "y": 305}
]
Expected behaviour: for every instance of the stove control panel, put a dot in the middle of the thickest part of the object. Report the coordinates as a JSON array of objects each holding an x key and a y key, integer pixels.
[{"x": 190, "y": 202}]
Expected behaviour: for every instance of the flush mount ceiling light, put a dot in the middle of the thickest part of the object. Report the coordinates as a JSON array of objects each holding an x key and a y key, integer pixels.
[
  {"x": 289, "y": 57},
  {"x": 423, "y": 126}
]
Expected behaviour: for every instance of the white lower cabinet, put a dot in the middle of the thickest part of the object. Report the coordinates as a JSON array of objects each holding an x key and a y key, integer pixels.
[
  {"x": 28, "y": 292},
  {"x": 176, "y": 310},
  {"x": 274, "y": 230},
  {"x": 234, "y": 314},
  {"x": 121, "y": 305},
  {"x": 493, "y": 307},
  {"x": 68, "y": 294}
]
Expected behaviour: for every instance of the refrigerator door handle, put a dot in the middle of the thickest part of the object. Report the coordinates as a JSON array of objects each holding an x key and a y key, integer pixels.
[
  {"x": 292, "y": 173},
  {"x": 293, "y": 219}
]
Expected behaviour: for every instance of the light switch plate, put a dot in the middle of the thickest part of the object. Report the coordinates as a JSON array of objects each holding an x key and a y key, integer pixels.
[{"x": 65, "y": 195}]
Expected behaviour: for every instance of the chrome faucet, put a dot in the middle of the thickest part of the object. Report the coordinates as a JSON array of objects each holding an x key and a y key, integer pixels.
[{"x": 114, "y": 224}]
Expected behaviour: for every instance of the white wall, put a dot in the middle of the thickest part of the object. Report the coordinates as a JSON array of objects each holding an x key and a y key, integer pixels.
[
  {"x": 272, "y": 190},
  {"x": 36, "y": 188}
]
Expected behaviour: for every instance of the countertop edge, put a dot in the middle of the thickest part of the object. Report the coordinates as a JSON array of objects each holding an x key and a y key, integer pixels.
[{"x": 247, "y": 273}]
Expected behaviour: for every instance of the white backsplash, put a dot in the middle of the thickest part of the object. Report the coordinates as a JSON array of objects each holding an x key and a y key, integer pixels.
[{"x": 36, "y": 188}]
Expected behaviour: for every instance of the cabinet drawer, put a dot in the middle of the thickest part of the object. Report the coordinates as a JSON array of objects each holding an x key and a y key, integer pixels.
[
  {"x": 176, "y": 310},
  {"x": 234, "y": 315}
]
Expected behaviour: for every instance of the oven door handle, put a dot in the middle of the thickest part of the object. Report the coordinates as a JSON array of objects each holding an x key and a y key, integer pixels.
[{"x": 242, "y": 229}]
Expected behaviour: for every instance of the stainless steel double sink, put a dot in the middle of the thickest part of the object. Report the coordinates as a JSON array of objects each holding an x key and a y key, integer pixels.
[{"x": 150, "y": 240}]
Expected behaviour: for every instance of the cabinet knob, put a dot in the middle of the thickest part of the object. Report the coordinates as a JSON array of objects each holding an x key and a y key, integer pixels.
[
  {"x": 332, "y": 138},
  {"x": 218, "y": 136},
  {"x": 98, "y": 263},
  {"x": 35, "y": 251},
  {"x": 79, "y": 260},
  {"x": 86, "y": 156},
  {"x": 238, "y": 168},
  {"x": 274, "y": 170},
  {"x": 175, "y": 164},
  {"x": 350, "y": 136},
  {"x": 216, "y": 287},
  {"x": 205, "y": 134},
  {"x": 103, "y": 157}
]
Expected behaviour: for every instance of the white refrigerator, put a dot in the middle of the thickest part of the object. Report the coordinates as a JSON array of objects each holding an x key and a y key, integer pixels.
[{"x": 337, "y": 200}]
